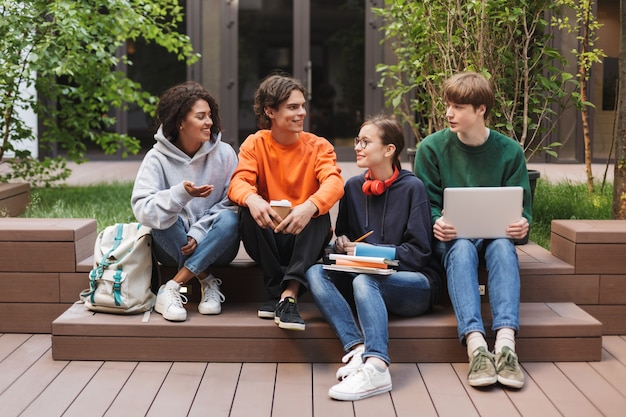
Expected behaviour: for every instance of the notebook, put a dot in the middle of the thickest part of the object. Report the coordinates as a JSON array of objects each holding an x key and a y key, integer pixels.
[
  {"x": 361, "y": 264},
  {"x": 482, "y": 212}
]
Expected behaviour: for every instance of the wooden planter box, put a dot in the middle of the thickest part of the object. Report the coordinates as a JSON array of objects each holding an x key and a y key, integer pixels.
[
  {"x": 596, "y": 249},
  {"x": 14, "y": 198},
  {"x": 41, "y": 269}
]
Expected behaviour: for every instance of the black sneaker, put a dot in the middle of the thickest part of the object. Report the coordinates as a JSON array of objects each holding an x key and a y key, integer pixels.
[
  {"x": 268, "y": 309},
  {"x": 287, "y": 316}
]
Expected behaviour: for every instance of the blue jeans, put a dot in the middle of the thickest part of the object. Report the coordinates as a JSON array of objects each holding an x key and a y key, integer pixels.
[
  {"x": 219, "y": 247},
  {"x": 403, "y": 293},
  {"x": 461, "y": 258}
]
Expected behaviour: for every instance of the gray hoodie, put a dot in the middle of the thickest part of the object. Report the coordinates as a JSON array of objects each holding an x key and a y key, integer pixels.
[{"x": 159, "y": 196}]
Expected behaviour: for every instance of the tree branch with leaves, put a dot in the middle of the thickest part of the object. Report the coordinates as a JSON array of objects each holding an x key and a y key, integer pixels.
[
  {"x": 71, "y": 53},
  {"x": 506, "y": 40},
  {"x": 585, "y": 26}
]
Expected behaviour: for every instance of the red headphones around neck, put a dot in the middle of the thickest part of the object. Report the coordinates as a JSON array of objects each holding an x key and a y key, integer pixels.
[{"x": 377, "y": 187}]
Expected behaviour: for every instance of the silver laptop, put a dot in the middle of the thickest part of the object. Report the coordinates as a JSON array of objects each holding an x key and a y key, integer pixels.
[{"x": 482, "y": 212}]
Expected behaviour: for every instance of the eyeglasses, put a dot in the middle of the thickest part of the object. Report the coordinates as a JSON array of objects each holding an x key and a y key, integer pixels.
[{"x": 362, "y": 142}]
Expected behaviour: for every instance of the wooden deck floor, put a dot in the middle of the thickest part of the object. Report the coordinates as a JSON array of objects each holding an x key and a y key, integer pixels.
[{"x": 33, "y": 384}]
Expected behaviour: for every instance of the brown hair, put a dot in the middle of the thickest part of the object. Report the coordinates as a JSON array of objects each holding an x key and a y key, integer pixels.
[
  {"x": 390, "y": 133},
  {"x": 273, "y": 91},
  {"x": 176, "y": 102},
  {"x": 469, "y": 88}
]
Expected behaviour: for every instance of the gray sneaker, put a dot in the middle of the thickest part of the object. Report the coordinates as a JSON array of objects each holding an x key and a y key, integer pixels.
[
  {"x": 508, "y": 369},
  {"x": 482, "y": 370}
]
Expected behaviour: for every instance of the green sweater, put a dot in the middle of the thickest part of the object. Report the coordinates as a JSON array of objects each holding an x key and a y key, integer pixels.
[{"x": 442, "y": 161}]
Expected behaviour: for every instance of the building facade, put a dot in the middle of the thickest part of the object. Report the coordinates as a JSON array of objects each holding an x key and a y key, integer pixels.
[{"x": 333, "y": 47}]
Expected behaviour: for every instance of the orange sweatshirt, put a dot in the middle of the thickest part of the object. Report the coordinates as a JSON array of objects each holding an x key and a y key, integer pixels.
[{"x": 306, "y": 170}]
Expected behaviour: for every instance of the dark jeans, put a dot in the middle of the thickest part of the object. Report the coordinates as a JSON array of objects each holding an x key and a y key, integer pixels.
[{"x": 284, "y": 257}]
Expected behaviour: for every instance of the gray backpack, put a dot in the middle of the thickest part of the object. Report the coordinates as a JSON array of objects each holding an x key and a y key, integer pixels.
[{"x": 121, "y": 278}]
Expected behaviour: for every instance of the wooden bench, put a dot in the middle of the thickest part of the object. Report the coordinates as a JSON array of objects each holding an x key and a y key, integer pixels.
[
  {"x": 47, "y": 264},
  {"x": 14, "y": 197},
  {"x": 549, "y": 332},
  {"x": 544, "y": 277},
  {"x": 558, "y": 331}
]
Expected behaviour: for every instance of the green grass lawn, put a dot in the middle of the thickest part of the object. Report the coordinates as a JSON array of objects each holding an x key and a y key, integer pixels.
[
  {"x": 107, "y": 203},
  {"x": 110, "y": 204},
  {"x": 567, "y": 201}
]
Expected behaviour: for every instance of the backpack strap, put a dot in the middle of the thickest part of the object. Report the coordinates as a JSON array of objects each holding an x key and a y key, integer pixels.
[
  {"x": 117, "y": 287},
  {"x": 97, "y": 272}
]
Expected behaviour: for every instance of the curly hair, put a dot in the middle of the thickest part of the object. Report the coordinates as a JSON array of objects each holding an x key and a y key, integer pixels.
[
  {"x": 176, "y": 102},
  {"x": 273, "y": 91}
]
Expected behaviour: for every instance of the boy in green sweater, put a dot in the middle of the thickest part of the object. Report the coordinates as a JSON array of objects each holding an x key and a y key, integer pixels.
[{"x": 469, "y": 154}]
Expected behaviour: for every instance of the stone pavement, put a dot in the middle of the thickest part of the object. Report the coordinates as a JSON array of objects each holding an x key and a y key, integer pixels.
[{"x": 113, "y": 171}]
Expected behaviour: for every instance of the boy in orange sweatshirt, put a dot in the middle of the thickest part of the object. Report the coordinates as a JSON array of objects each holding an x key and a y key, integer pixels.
[{"x": 282, "y": 162}]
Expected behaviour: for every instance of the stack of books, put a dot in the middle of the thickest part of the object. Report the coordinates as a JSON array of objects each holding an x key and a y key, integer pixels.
[{"x": 361, "y": 264}]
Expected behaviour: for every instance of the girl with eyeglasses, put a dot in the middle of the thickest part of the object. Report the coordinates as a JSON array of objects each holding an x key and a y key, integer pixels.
[{"x": 393, "y": 204}]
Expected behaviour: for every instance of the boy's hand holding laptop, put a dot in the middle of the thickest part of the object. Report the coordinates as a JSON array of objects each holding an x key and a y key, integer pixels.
[
  {"x": 443, "y": 231},
  {"x": 518, "y": 230},
  {"x": 481, "y": 212}
]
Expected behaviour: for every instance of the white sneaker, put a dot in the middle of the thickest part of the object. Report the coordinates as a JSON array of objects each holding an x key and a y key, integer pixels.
[
  {"x": 365, "y": 382},
  {"x": 212, "y": 298},
  {"x": 169, "y": 302},
  {"x": 353, "y": 361}
]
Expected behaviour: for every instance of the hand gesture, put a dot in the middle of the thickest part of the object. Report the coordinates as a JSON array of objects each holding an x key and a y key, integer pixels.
[{"x": 197, "y": 191}]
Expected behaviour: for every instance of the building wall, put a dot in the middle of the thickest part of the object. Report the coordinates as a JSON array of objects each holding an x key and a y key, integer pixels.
[{"x": 213, "y": 27}]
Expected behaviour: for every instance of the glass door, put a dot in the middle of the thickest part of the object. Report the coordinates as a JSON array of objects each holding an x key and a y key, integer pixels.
[
  {"x": 265, "y": 45},
  {"x": 337, "y": 69},
  {"x": 319, "y": 42}
]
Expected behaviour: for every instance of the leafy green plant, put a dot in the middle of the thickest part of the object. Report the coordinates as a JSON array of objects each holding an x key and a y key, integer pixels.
[
  {"x": 46, "y": 171},
  {"x": 506, "y": 40},
  {"x": 585, "y": 26},
  {"x": 72, "y": 54}
]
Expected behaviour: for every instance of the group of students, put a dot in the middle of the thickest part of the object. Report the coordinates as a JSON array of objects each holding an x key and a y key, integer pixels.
[{"x": 200, "y": 198}]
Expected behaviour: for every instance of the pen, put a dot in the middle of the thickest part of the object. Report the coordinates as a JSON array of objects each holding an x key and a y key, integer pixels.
[{"x": 364, "y": 236}]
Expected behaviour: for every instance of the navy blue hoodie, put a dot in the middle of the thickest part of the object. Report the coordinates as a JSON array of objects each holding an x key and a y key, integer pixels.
[{"x": 399, "y": 217}]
